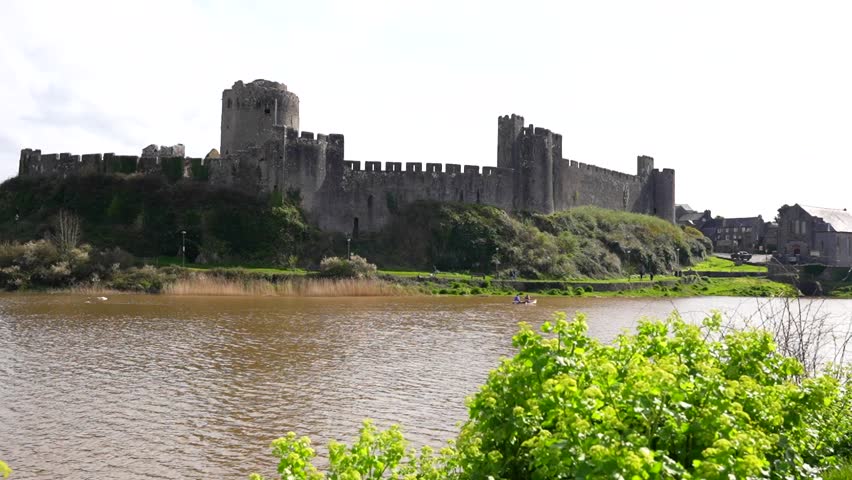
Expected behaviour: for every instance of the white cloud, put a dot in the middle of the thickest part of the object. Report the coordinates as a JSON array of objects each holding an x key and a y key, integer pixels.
[{"x": 748, "y": 101}]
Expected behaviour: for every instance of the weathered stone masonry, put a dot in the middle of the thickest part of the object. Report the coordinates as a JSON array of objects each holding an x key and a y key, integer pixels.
[{"x": 262, "y": 151}]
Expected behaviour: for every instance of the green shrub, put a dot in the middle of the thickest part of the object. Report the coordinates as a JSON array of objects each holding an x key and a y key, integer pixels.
[
  {"x": 375, "y": 455},
  {"x": 147, "y": 279},
  {"x": 356, "y": 267},
  {"x": 664, "y": 401},
  {"x": 672, "y": 401}
]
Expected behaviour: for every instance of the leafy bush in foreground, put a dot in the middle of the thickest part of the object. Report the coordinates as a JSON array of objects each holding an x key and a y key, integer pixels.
[{"x": 672, "y": 400}]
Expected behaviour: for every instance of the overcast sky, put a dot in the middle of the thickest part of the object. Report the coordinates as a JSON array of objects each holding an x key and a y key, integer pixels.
[{"x": 750, "y": 101}]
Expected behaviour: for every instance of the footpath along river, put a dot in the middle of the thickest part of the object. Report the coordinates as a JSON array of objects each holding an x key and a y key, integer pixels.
[{"x": 196, "y": 387}]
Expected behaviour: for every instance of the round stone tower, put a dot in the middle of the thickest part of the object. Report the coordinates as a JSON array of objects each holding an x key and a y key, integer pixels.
[{"x": 251, "y": 111}]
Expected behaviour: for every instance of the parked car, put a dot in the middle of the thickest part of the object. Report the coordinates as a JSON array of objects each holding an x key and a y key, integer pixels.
[{"x": 742, "y": 256}]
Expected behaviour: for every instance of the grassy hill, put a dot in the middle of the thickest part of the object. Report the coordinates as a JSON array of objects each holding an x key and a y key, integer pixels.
[{"x": 146, "y": 215}]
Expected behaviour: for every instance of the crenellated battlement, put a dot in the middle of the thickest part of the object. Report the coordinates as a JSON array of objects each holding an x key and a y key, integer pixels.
[
  {"x": 416, "y": 167},
  {"x": 602, "y": 171},
  {"x": 35, "y": 163}
]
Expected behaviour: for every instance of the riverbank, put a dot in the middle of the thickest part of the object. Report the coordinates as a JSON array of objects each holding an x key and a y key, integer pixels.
[
  {"x": 40, "y": 267},
  {"x": 248, "y": 282}
]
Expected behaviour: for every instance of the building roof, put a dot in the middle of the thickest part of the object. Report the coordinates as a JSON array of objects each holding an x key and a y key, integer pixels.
[
  {"x": 691, "y": 217},
  {"x": 721, "y": 222},
  {"x": 684, "y": 206},
  {"x": 741, "y": 222},
  {"x": 840, "y": 220}
]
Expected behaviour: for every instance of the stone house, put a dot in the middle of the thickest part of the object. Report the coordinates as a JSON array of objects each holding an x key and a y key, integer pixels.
[
  {"x": 815, "y": 234},
  {"x": 735, "y": 234}
]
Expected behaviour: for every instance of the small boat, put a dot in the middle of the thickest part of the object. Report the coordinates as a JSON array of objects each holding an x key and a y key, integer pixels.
[{"x": 531, "y": 302}]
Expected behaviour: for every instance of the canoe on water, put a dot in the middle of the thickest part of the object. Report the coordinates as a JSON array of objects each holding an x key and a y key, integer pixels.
[{"x": 531, "y": 302}]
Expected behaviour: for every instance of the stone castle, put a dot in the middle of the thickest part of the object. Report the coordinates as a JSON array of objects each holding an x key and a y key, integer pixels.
[{"x": 263, "y": 151}]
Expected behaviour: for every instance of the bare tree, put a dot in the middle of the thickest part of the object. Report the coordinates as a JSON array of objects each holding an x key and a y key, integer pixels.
[
  {"x": 802, "y": 330},
  {"x": 68, "y": 231}
]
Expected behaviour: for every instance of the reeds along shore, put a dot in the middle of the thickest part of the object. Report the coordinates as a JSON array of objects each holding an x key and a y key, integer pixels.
[{"x": 302, "y": 287}]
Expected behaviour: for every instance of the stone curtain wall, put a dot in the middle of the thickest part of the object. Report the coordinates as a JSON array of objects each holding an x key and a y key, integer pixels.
[
  {"x": 581, "y": 184},
  {"x": 34, "y": 163},
  {"x": 373, "y": 196}
]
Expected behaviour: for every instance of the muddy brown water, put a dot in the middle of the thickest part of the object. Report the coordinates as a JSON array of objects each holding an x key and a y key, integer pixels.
[{"x": 196, "y": 387}]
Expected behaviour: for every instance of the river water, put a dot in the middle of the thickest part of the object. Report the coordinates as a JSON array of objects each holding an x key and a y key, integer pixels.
[{"x": 196, "y": 387}]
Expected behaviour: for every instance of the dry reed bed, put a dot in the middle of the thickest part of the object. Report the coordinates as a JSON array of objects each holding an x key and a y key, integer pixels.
[{"x": 202, "y": 284}]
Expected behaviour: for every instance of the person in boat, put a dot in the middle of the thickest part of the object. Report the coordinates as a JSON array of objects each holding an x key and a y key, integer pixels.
[
  {"x": 517, "y": 298},
  {"x": 527, "y": 299}
]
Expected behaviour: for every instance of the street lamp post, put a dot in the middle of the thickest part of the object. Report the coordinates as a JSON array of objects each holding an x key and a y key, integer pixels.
[
  {"x": 348, "y": 249},
  {"x": 677, "y": 257},
  {"x": 496, "y": 260},
  {"x": 183, "y": 248}
]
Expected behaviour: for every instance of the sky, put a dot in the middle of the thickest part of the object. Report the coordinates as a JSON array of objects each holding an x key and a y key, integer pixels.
[{"x": 750, "y": 102}]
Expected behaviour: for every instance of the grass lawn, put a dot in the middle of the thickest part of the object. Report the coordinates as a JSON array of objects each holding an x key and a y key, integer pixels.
[
  {"x": 163, "y": 261},
  {"x": 716, "y": 287},
  {"x": 447, "y": 275},
  {"x": 716, "y": 264},
  {"x": 631, "y": 278}
]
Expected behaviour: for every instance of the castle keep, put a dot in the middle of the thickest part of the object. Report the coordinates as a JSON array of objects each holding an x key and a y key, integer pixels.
[{"x": 263, "y": 151}]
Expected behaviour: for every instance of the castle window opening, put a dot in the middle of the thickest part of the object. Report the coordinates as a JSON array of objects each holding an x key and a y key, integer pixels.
[
  {"x": 370, "y": 202},
  {"x": 461, "y": 195},
  {"x": 355, "y": 227},
  {"x": 477, "y": 197},
  {"x": 229, "y": 103},
  {"x": 267, "y": 110}
]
